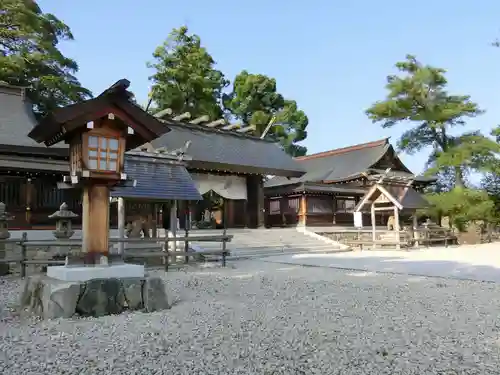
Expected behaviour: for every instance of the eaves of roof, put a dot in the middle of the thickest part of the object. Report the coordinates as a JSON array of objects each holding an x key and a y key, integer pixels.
[
  {"x": 228, "y": 150},
  {"x": 337, "y": 165}
]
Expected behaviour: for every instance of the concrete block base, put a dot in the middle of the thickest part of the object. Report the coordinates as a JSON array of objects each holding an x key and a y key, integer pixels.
[{"x": 85, "y": 273}]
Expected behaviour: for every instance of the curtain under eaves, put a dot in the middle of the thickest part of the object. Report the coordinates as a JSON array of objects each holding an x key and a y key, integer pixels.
[{"x": 229, "y": 187}]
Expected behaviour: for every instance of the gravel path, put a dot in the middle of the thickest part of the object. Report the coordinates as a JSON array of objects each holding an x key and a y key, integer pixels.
[
  {"x": 264, "y": 318},
  {"x": 474, "y": 262}
]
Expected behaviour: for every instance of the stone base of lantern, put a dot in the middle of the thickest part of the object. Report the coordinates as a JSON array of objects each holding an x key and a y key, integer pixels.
[
  {"x": 51, "y": 298},
  {"x": 85, "y": 273}
]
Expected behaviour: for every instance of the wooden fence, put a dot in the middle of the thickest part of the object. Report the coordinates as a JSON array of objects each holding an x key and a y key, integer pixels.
[
  {"x": 384, "y": 238},
  {"x": 131, "y": 251}
]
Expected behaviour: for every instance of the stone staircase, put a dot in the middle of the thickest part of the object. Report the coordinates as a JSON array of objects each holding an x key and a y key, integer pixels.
[{"x": 256, "y": 243}]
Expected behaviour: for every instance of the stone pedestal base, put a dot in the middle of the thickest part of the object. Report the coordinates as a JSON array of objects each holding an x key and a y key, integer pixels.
[
  {"x": 50, "y": 298},
  {"x": 85, "y": 273}
]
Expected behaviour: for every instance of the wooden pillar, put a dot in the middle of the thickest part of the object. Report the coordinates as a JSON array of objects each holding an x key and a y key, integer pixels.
[
  {"x": 85, "y": 219},
  {"x": 173, "y": 226},
  {"x": 121, "y": 223},
  {"x": 152, "y": 220},
  {"x": 374, "y": 226},
  {"x": 29, "y": 200},
  {"x": 396, "y": 227},
  {"x": 97, "y": 237},
  {"x": 173, "y": 218},
  {"x": 334, "y": 205},
  {"x": 255, "y": 201},
  {"x": 187, "y": 215},
  {"x": 415, "y": 230},
  {"x": 260, "y": 202},
  {"x": 302, "y": 210},
  {"x": 230, "y": 212}
]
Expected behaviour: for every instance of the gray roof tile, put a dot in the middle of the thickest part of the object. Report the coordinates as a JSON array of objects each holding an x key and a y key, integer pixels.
[
  {"x": 16, "y": 117},
  {"x": 156, "y": 180},
  {"x": 228, "y": 150},
  {"x": 337, "y": 164},
  {"x": 408, "y": 198},
  {"x": 210, "y": 148}
]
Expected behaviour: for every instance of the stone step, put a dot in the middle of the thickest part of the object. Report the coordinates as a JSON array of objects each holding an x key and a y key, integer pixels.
[
  {"x": 271, "y": 248},
  {"x": 252, "y": 255}
]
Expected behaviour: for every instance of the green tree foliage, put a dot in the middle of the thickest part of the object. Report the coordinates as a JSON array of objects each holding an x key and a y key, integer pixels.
[
  {"x": 496, "y": 133},
  {"x": 185, "y": 78},
  {"x": 491, "y": 180},
  {"x": 462, "y": 205},
  {"x": 418, "y": 98},
  {"x": 29, "y": 56},
  {"x": 491, "y": 185},
  {"x": 254, "y": 100}
]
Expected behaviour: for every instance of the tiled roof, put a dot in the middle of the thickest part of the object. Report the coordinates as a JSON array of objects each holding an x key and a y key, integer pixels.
[
  {"x": 408, "y": 198},
  {"x": 228, "y": 150},
  {"x": 16, "y": 117},
  {"x": 338, "y": 164},
  {"x": 61, "y": 123},
  {"x": 404, "y": 196},
  {"x": 156, "y": 180},
  {"x": 210, "y": 148}
]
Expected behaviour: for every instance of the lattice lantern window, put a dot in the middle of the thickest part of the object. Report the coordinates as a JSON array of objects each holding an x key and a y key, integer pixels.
[{"x": 103, "y": 153}]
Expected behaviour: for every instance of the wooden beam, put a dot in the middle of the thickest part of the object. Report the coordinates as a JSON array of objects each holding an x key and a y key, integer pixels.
[
  {"x": 97, "y": 236},
  {"x": 246, "y": 129},
  {"x": 183, "y": 116},
  {"x": 415, "y": 229},
  {"x": 173, "y": 224},
  {"x": 30, "y": 190},
  {"x": 200, "y": 119},
  {"x": 302, "y": 210},
  {"x": 85, "y": 219},
  {"x": 232, "y": 126},
  {"x": 383, "y": 208},
  {"x": 164, "y": 113},
  {"x": 215, "y": 123},
  {"x": 396, "y": 227},
  {"x": 374, "y": 226}
]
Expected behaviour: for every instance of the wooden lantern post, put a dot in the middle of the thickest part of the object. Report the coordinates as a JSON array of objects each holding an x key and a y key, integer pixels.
[
  {"x": 96, "y": 164},
  {"x": 98, "y": 133}
]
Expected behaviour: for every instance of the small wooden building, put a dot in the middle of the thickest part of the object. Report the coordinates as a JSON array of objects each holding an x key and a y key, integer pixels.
[{"x": 334, "y": 183}]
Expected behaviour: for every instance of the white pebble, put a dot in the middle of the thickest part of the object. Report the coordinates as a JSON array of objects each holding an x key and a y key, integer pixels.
[{"x": 263, "y": 318}]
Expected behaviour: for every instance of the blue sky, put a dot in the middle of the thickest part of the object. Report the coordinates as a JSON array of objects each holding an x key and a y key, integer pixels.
[{"x": 332, "y": 57}]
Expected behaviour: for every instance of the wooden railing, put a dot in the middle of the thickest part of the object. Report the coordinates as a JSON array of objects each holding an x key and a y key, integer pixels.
[
  {"x": 363, "y": 238},
  {"x": 132, "y": 251}
]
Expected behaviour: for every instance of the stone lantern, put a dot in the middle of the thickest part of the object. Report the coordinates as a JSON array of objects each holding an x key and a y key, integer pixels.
[
  {"x": 63, "y": 219},
  {"x": 4, "y": 218}
]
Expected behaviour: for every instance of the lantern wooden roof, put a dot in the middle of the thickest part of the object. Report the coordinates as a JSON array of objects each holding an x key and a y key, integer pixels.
[{"x": 117, "y": 100}]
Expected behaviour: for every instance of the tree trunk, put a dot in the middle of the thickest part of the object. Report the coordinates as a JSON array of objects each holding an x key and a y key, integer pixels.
[{"x": 459, "y": 177}]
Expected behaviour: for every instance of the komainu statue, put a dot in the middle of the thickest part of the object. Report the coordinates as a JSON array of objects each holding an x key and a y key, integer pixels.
[
  {"x": 391, "y": 222},
  {"x": 138, "y": 227}
]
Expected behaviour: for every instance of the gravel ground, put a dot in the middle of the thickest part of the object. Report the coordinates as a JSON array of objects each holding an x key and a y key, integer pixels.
[{"x": 264, "y": 318}]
